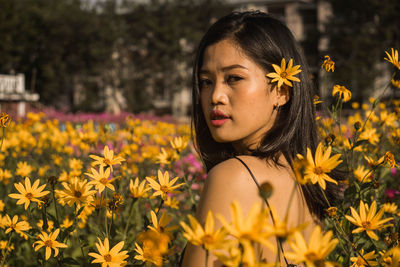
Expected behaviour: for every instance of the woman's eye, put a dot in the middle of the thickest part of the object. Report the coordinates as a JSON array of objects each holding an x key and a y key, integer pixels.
[
  {"x": 233, "y": 79},
  {"x": 205, "y": 83}
]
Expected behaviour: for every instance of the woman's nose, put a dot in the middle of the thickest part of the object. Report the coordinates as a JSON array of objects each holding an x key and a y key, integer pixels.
[{"x": 218, "y": 95}]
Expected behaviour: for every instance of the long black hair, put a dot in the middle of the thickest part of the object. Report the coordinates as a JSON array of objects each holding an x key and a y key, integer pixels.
[{"x": 266, "y": 41}]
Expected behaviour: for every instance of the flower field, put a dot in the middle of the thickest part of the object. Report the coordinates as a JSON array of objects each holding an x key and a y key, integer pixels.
[
  {"x": 63, "y": 185},
  {"x": 123, "y": 192}
]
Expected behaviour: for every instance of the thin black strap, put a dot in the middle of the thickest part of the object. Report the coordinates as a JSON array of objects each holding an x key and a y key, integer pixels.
[{"x": 266, "y": 201}]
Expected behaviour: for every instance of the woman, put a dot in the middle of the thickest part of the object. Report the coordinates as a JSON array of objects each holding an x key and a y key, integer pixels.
[{"x": 243, "y": 118}]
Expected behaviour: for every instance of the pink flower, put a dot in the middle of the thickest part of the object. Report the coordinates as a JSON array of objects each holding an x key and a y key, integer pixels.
[{"x": 391, "y": 193}]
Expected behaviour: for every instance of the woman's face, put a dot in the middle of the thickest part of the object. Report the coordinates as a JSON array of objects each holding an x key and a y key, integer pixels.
[{"x": 236, "y": 96}]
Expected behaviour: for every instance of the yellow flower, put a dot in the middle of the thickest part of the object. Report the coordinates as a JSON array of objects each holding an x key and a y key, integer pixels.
[
  {"x": 5, "y": 175},
  {"x": 373, "y": 162},
  {"x": 328, "y": 64},
  {"x": 100, "y": 179},
  {"x": 250, "y": 228},
  {"x": 206, "y": 237},
  {"x": 76, "y": 192},
  {"x": 231, "y": 255},
  {"x": 57, "y": 160},
  {"x": 67, "y": 223},
  {"x": 370, "y": 135},
  {"x": 49, "y": 242},
  {"x": 146, "y": 254},
  {"x": 393, "y": 58},
  {"x": 179, "y": 144},
  {"x": 396, "y": 83},
  {"x": 50, "y": 225},
  {"x": 317, "y": 169},
  {"x": 389, "y": 160},
  {"x": 391, "y": 258},
  {"x": 138, "y": 190},
  {"x": 107, "y": 257},
  {"x": 1, "y": 205},
  {"x": 166, "y": 156},
  {"x": 23, "y": 169},
  {"x": 319, "y": 247},
  {"x": 29, "y": 193},
  {"x": 389, "y": 119},
  {"x": 160, "y": 226},
  {"x": 368, "y": 222},
  {"x": 283, "y": 74},
  {"x": 280, "y": 228},
  {"x": 4, "y": 245},
  {"x": 14, "y": 225},
  {"x": 317, "y": 100},
  {"x": 343, "y": 92},
  {"x": 75, "y": 164},
  {"x": 299, "y": 167},
  {"x": 5, "y": 120},
  {"x": 165, "y": 186},
  {"x": 364, "y": 259},
  {"x": 390, "y": 208},
  {"x": 108, "y": 160},
  {"x": 362, "y": 174},
  {"x": 332, "y": 211},
  {"x": 172, "y": 202},
  {"x": 155, "y": 245}
]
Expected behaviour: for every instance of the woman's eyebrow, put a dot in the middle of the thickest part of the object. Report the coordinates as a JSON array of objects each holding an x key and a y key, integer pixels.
[
  {"x": 233, "y": 67},
  {"x": 227, "y": 68}
]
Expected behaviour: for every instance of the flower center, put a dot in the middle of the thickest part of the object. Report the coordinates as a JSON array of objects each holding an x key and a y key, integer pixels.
[
  {"x": 208, "y": 239},
  {"x": 312, "y": 256},
  {"x": 284, "y": 74},
  {"x": 77, "y": 194},
  {"x": 107, "y": 161},
  {"x": 318, "y": 170},
  {"x": 164, "y": 188},
  {"x": 48, "y": 243},
  {"x": 366, "y": 224},
  {"x": 103, "y": 180},
  {"x": 29, "y": 196},
  {"x": 147, "y": 253},
  {"x": 107, "y": 257}
]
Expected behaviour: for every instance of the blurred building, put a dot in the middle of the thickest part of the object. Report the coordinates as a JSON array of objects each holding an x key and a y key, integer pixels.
[{"x": 13, "y": 96}]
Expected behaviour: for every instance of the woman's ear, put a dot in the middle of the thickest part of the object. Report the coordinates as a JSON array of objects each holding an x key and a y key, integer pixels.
[{"x": 282, "y": 94}]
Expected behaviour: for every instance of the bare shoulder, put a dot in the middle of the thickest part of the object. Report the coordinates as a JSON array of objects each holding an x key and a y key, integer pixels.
[{"x": 230, "y": 180}]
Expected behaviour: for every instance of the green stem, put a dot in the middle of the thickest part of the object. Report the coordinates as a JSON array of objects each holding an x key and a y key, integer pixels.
[
  {"x": 189, "y": 190},
  {"x": 105, "y": 214},
  {"x": 159, "y": 206},
  {"x": 55, "y": 207},
  {"x": 2, "y": 138},
  {"x": 6, "y": 249},
  {"x": 207, "y": 258},
  {"x": 83, "y": 254},
  {"x": 129, "y": 218}
]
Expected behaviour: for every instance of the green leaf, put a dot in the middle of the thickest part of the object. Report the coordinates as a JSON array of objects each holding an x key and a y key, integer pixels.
[{"x": 70, "y": 261}]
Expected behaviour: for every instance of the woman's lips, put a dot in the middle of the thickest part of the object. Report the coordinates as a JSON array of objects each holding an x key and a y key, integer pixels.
[
  {"x": 219, "y": 122},
  {"x": 218, "y": 118}
]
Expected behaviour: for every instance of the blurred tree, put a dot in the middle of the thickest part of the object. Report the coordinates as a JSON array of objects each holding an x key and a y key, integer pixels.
[
  {"x": 78, "y": 54},
  {"x": 359, "y": 32},
  {"x": 52, "y": 43},
  {"x": 161, "y": 39}
]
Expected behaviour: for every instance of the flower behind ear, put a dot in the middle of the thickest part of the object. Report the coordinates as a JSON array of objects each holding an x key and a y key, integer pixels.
[{"x": 283, "y": 74}]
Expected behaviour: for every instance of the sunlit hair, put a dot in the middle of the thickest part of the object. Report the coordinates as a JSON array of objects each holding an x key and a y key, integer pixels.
[{"x": 266, "y": 41}]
